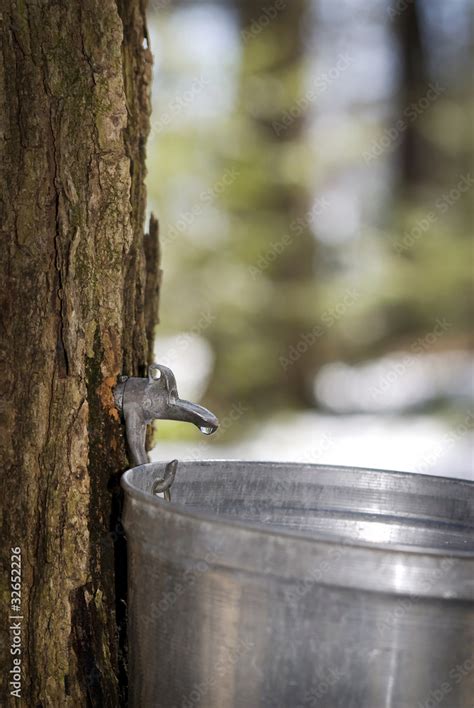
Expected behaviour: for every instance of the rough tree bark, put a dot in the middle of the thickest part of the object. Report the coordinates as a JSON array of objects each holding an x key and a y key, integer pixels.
[{"x": 74, "y": 115}]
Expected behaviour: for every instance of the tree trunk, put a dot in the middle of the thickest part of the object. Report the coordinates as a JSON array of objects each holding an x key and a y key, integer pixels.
[
  {"x": 416, "y": 160},
  {"x": 74, "y": 112},
  {"x": 278, "y": 203}
]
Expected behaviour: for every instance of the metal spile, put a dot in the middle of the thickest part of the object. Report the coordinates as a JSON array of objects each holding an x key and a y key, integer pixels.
[{"x": 143, "y": 400}]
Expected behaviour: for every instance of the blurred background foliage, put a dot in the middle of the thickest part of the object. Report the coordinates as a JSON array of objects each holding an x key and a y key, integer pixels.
[{"x": 310, "y": 162}]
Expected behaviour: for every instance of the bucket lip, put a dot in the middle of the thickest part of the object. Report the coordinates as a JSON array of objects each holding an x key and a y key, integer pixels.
[{"x": 215, "y": 519}]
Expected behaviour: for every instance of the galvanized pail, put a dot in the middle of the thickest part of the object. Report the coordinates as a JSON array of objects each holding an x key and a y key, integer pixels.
[{"x": 264, "y": 585}]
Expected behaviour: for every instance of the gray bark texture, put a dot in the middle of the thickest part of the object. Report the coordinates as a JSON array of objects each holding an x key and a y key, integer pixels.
[{"x": 79, "y": 285}]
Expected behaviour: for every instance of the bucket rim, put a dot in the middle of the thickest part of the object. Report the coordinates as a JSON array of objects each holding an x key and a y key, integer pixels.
[{"x": 316, "y": 537}]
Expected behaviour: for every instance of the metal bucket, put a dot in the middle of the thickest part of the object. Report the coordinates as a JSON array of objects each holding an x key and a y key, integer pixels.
[{"x": 264, "y": 585}]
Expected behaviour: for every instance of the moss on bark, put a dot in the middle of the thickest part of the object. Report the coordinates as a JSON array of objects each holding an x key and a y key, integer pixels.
[{"x": 74, "y": 112}]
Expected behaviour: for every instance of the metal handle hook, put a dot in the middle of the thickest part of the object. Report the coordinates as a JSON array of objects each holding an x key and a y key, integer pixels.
[{"x": 164, "y": 485}]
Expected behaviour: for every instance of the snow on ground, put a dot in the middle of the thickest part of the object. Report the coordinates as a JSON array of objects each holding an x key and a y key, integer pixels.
[
  {"x": 373, "y": 421},
  {"x": 416, "y": 443}
]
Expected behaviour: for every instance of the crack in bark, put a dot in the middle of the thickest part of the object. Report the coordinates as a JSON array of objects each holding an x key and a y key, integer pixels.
[
  {"x": 72, "y": 183},
  {"x": 61, "y": 348}
]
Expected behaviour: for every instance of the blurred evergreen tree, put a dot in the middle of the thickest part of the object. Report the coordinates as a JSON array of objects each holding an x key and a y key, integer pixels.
[
  {"x": 270, "y": 210},
  {"x": 246, "y": 272}
]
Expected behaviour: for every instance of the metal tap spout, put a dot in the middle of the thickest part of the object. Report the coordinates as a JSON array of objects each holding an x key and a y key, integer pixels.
[{"x": 141, "y": 401}]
